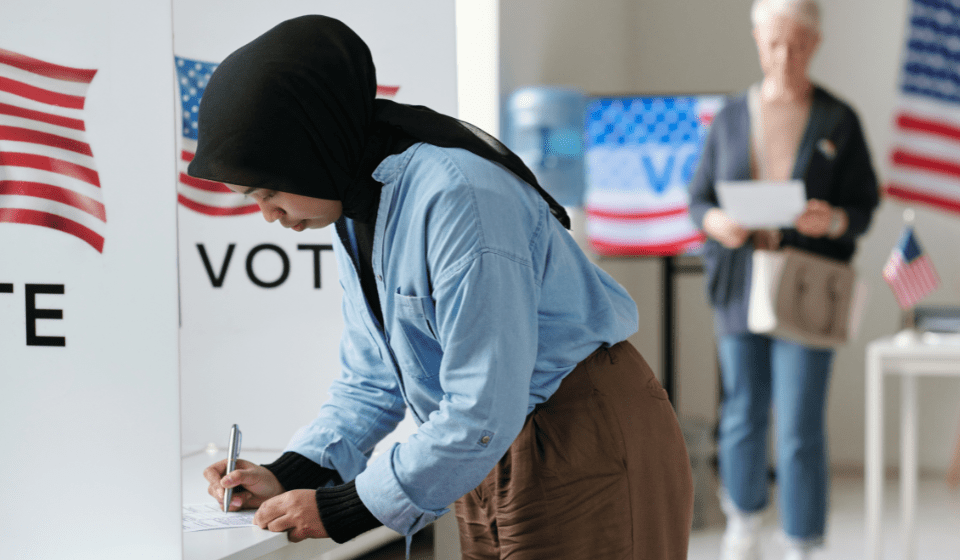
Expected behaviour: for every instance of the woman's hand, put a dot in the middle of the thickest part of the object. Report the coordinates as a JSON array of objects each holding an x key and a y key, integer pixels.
[
  {"x": 819, "y": 219},
  {"x": 294, "y": 512},
  {"x": 727, "y": 232},
  {"x": 259, "y": 484}
]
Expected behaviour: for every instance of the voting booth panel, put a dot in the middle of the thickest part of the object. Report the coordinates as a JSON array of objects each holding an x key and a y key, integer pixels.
[
  {"x": 261, "y": 305},
  {"x": 88, "y": 288}
]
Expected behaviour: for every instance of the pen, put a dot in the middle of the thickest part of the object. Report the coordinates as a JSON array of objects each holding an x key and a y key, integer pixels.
[{"x": 233, "y": 451}]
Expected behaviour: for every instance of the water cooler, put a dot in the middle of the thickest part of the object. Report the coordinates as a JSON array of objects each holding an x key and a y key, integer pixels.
[{"x": 545, "y": 127}]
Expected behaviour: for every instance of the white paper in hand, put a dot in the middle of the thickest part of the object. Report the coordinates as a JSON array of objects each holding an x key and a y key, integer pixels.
[{"x": 762, "y": 204}]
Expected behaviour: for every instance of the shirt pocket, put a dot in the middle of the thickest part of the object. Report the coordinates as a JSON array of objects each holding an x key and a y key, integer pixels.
[{"x": 415, "y": 340}]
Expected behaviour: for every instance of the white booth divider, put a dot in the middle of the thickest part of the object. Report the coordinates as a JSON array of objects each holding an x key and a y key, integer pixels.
[
  {"x": 89, "y": 404},
  {"x": 94, "y": 418}
]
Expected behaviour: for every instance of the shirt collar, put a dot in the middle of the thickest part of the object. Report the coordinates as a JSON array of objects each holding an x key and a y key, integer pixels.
[{"x": 391, "y": 166}]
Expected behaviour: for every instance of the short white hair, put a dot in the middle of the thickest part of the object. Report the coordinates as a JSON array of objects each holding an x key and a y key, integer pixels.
[{"x": 805, "y": 12}]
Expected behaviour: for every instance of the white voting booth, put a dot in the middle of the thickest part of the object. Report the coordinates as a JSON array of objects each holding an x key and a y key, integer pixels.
[
  {"x": 142, "y": 314},
  {"x": 89, "y": 403}
]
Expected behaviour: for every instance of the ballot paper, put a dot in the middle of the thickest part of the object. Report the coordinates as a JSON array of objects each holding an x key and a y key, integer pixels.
[
  {"x": 203, "y": 517},
  {"x": 762, "y": 204}
]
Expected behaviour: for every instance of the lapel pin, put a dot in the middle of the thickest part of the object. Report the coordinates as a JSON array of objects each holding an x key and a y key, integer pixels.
[{"x": 827, "y": 148}]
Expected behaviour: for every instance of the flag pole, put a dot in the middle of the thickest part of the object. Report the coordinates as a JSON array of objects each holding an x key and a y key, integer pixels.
[
  {"x": 907, "y": 320},
  {"x": 908, "y": 331}
]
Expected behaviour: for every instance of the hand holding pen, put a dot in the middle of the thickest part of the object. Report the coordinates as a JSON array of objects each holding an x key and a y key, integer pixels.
[{"x": 258, "y": 483}]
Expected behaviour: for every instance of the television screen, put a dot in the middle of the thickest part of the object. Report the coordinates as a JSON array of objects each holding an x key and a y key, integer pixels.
[{"x": 641, "y": 153}]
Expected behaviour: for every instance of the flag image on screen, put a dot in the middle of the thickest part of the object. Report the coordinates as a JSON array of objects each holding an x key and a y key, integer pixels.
[
  {"x": 47, "y": 172},
  {"x": 925, "y": 152},
  {"x": 210, "y": 197},
  {"x": 641, "y": 154},
  {"x": 910, "y": 272}
]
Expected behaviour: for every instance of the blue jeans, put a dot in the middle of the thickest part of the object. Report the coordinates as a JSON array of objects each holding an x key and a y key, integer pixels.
[{"x": 756, "y": 370}]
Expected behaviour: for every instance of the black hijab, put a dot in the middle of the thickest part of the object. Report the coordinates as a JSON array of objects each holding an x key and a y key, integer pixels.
[{"x": 295, "y": 111}]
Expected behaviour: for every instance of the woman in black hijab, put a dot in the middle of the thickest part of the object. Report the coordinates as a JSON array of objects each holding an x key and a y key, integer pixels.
[{"x": 465, "y": 303}]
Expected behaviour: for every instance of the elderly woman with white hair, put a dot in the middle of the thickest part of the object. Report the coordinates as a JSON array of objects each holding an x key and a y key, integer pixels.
[{"x": 783, "y": 128}]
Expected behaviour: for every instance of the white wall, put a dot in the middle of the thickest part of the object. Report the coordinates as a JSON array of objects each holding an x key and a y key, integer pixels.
[{"x": 687, "y": 46}]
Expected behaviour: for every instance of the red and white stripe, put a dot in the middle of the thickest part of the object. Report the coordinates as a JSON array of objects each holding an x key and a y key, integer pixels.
[
  {"x": 911, "y": 281},
  {"x": 213, "y": 198},
  {"x": 925, "y": 156},
  {"x": 639, "y": 222},
  {"x": 626, "y": 233},
  {"x": 387, "y": 92},
  {"x": 208, "y": 197},
  {"x": 47, "y": 173}
]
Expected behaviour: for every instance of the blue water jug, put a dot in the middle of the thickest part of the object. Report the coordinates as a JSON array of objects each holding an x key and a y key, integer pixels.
[{"x": 545, "y": 127}]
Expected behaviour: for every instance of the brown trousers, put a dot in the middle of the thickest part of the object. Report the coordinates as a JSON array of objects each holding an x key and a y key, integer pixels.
[{"x": 599, "y": 471}]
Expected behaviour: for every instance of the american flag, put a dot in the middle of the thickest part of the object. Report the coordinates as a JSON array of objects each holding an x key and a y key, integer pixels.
[
  {"x": 925, "y": 158},
  {"x": 206, "y": 197},
  {"x": 909, "y": 272},
  {"x": 210, "y": 197},
  {"x": 641, "y": 154},
  {"x": 47, "y": 172}
]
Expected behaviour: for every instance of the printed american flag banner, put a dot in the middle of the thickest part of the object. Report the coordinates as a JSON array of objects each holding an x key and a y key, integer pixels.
[
  {"x": 206, "y": 197},
  {"x": 925, "y": 156},
  {"x": 47, "y": 173},
  {"x": 909, "y": 272},
  {"x": 641, "y": 154},
  {"x": 210, "y": 197}
]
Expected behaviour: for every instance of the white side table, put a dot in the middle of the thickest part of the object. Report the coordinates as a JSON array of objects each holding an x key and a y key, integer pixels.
[{"x": 909, "y": 355}]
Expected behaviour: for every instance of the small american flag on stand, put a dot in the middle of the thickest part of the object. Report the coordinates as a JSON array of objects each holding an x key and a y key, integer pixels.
[
  {"x": 925, "y": 156},
  {"x": 909, "y": 272},
  {"x": 210, "y": 197},
  {"x": 47, "y": 173}
]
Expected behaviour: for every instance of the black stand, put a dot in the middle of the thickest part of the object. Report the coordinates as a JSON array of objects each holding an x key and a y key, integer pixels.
[{"x": 672, "y": 266}]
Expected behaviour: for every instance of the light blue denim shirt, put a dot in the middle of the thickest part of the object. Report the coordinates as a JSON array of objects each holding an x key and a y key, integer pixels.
[{"x": 487, "y": 304}]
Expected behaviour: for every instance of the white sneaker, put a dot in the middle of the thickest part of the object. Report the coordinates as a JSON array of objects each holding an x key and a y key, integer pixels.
[
  {"x": 797, "y": 554},
  {"x": 741, "y": 540}
]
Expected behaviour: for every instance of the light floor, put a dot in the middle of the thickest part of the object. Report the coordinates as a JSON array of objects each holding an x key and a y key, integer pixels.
[
  {"x": 938, "y": 523},
  {"x": 938, "y": 526}
]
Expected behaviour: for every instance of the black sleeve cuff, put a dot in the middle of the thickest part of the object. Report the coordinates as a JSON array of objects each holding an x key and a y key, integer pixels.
[
  {"x": 343, "y": 514},
  {"x": 294, "y": 471}
]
